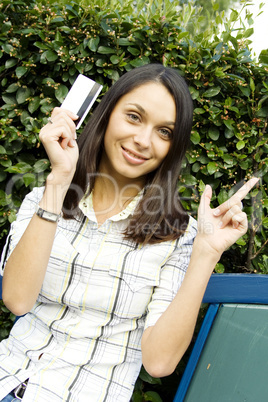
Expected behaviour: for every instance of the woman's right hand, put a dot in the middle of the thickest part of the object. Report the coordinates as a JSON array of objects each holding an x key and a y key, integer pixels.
[{"x": 59, "y": 139}]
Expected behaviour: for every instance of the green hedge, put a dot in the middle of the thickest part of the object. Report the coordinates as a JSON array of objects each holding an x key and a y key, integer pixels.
[{"x": 44, "y": 48}]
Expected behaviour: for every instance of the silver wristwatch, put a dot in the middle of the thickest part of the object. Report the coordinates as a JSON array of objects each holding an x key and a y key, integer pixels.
[{"x": 48, "y": 216}]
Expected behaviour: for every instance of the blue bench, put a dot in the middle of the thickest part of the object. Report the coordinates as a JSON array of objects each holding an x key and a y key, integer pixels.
[{"x": 229, "y": 360}]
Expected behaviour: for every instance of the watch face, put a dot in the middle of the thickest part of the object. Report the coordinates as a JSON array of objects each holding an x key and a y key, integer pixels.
[{"x": 48, "y": 216}]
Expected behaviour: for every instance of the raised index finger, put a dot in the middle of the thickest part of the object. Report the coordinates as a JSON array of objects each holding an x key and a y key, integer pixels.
[
  {"x": 245, "y": 189},
  {"x": 237, "y": 197}
]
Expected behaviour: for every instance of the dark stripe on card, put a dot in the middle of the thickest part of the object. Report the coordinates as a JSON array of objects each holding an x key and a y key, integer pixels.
[{"x": 87, "y": 102}]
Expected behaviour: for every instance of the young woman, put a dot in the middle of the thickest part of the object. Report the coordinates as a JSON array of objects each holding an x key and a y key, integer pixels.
[{"x": 103, "y": 261}]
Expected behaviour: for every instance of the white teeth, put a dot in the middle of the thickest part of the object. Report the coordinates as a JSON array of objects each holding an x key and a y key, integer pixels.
[{"x": 135, "y": 156}]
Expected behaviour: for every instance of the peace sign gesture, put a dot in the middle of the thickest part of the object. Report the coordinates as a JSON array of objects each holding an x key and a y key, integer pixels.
[{"x": 219, "y": 228}]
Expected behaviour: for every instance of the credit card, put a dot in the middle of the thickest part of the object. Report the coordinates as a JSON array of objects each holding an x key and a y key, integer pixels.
[{"x": 81, "y": 97}]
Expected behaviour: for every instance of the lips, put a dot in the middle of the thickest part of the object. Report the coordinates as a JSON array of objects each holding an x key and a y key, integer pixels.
[{"x": 133, "y": 157}]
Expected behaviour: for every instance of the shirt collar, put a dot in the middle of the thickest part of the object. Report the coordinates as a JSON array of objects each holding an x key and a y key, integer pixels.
[{"x": 86, "y": 206}]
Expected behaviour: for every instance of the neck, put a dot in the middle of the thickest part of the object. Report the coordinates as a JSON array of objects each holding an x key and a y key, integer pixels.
[{"x": 111, "y": 196}]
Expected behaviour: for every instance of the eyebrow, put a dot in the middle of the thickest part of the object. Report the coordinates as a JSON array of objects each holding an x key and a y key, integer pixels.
[{"x": 140, "y": 108}]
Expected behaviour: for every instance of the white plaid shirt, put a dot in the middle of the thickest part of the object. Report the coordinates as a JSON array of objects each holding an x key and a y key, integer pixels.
[{"x": 82, "y": 339}]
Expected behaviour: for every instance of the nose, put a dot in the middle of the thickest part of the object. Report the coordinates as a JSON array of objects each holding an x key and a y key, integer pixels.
[{"x": 143, "y": 137}]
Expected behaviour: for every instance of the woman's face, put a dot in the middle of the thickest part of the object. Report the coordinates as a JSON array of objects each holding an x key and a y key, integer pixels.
[{"x": 139, "y": 132}]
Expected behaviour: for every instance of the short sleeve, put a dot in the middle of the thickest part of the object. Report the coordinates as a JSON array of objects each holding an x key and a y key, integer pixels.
[
  {"x": 17, "y": 228},
  {"x": 172, "y": 275}
]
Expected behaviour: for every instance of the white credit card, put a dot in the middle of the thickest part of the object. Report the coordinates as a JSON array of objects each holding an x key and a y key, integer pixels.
[{"x": 81, "y": 97}]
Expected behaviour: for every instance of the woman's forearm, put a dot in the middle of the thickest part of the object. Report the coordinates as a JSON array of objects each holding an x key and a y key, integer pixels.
[
  {"x": 26, "y": 267},
  {"x": 164, "y": 344}
]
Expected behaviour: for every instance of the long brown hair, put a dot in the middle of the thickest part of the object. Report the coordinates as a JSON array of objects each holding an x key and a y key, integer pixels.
[{"x": 159, "y": 215}]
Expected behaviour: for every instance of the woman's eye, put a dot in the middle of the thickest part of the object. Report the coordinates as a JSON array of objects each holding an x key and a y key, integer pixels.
[
  {"x": 133, "y": 117},
  {"x": 165, "y": 133}
]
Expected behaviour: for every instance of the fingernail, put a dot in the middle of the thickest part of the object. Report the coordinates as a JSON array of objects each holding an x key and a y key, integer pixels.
[
  {"x": 216, "y": 212},
  {"x": 220, "y": 225}
]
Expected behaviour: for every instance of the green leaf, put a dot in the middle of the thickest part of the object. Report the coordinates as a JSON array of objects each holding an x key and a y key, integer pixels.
[
  {"x": 3, "y": 176},
  {"x": 10, "y": 63},
  {"x": 12, "y": 216},
  {"x": 195, "y": 137},
  {"x": 57, "y": 19},
  {"x": 41, "y": 45},
  {"x": 61, "y": 92},
  {"x": 22, "y": 95},
  {"x": 66, "y": 29},
  {"x": 212, "y": 92},
  {"x": 50, "y": 55},
  {"x": 13, "y": 147},
  {"x": 223, "y": 196},
  {"x": 263, "y": 112},
  {"x": 152, "y": 396},
  {"x": 113, "y": 74},
  {"x": 141, "y": 61},
  {"x": 241, "y": 242},
  {"x": 240, "y": 145},
  {"x": 2, "y": 150},
  {"x": 234, "y": 15},
  {"x": 134, "y": 51},
  {"x": 28, "y": 178},
  {"x": 20, "y": 167},
  {"x": 249, "y": 32},
  {"x": 105, "y": 50},
  {"x": 252, "y": 84},
  {"x": 148, "y": 378},
  {"x": 219, "y": 268},
  {"x": 196, "y": 167},
  {"x": 229, "y": 159},
  {"x": 199, "y": 110},
  {"x": 124, "y": 42},
  {"x": 41, "y": 165},
  {"x": 7, "y": 48},
  {"x": 137, "y": 397},
  {"x": 115, "y": 59},
  {"x": 263, "y": 57},
  {"x": 12, "y": 88},
  {"x": 214, "y": 133},
  {"x": 93, "y": 43},
  {"x": 194, "y": 92},
  {"x": 9, "y": 99},
  {"x": 6, "y": 163},
  {"x": 34, "y": 104},
  {"x": 245, "y": 90},
  {"x": 229, "y": 124},
  {"x": 20, "y": 71},
  {"x": 265, "y": 222},
  {"x": 201, "y": 186},
  {"x": 212, "y": 167},
  {"x": 189, "y": 180}
]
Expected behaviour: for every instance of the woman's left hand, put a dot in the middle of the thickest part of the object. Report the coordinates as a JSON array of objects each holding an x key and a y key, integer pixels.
[{"x": 219, "y": 228}]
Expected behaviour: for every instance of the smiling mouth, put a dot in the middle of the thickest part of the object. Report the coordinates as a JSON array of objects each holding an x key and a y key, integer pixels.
[{"x": 141, "y": 158}]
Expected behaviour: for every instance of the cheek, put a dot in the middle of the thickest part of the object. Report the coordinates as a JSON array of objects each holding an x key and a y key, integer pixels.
[{"x": 162, "y": 150}]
